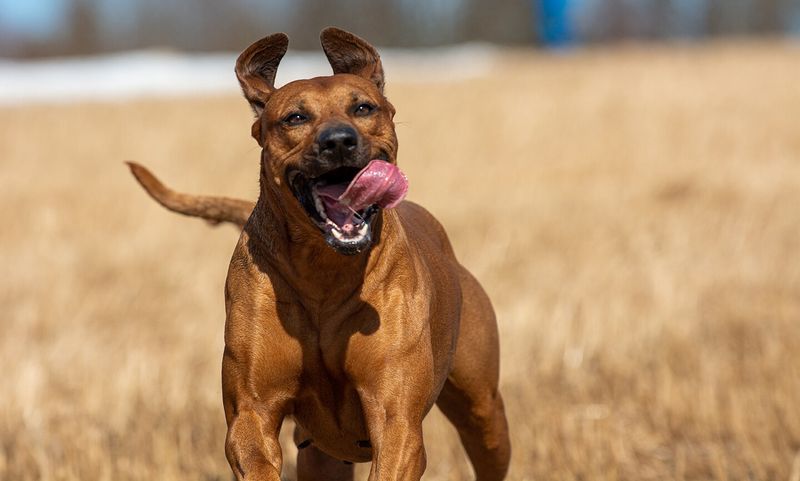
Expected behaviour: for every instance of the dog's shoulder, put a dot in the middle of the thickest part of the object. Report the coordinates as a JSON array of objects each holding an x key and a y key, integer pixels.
[
  {"x": 248, "y": 271},
  {"x": 421, "y": 226}
]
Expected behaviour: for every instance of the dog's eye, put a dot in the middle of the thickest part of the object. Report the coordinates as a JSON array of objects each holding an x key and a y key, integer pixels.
[
  {"x": 295, "y": 118},
  {"x": 364, "y": 110}
]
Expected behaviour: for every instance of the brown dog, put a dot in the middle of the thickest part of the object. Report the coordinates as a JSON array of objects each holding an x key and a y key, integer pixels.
[{"x": 353, "y": 324}]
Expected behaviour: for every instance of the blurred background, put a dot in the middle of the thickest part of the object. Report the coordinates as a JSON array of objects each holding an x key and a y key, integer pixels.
[
  {"x": 78, "y": 27},
  {"x": 623, "y": 176}
]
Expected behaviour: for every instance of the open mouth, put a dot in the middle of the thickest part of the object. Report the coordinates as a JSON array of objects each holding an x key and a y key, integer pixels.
[
  {"x": 344, "y": 201},
  {"x": 346, "y": 229}
]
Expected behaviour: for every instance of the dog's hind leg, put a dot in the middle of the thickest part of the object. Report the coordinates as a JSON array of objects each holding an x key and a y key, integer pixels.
[
  {"x": 314, "y": 465},
  {"x": 480, "y": 420},
  {"x": 470, "y": 399}
]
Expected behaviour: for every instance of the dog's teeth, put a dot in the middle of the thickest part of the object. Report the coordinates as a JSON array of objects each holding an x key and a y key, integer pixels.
[
  {"x": 337, "y": 233},
  {"x": 320, "y": 207}
]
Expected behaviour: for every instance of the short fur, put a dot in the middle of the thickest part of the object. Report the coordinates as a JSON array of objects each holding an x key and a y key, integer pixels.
[{"x": 356, "y": 348}]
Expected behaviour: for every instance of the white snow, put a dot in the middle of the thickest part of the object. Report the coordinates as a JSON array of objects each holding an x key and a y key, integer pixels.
[{"x": 166, "y": 74}]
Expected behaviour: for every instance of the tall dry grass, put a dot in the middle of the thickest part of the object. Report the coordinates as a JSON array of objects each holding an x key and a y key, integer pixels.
[{"x": 634, "y": 214}]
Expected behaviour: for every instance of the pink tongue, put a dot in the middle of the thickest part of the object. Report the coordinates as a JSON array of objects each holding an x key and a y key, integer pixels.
[{"x": 379, "y": 183}]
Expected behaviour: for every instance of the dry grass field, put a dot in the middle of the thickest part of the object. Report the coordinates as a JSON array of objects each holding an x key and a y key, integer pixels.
[{"x": 634, "y": 214}]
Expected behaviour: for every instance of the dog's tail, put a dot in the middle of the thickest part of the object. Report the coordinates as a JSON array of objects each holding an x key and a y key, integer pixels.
[{"x": 213, "y": 209}]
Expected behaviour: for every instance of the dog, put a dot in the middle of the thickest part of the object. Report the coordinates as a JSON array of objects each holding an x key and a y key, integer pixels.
[{"x": 346, "y": 311}]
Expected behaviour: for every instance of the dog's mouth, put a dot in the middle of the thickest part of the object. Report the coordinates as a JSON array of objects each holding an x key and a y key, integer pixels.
[
  {"x": 344, "y": 202},
  {"x": 347, "y": 230}
]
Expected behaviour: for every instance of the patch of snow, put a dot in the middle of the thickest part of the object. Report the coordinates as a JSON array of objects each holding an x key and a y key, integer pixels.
[{"x": 164, "y": 74}]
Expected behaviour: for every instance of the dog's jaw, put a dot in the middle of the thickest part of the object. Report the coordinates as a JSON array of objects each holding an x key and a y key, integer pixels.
[
  {"x": 350, "y": 245},
  {"x": 346, "y": 240}
]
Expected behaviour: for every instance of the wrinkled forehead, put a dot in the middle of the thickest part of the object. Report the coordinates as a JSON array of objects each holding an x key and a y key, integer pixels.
[{"x": 321, "y": 92}]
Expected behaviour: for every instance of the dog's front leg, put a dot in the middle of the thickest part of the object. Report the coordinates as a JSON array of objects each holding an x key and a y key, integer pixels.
[
  {"x": 393, "y": 410},
  {"x": 397, "y": 449},
  {"x": 254, "y": 414},
  {"x": 252, "y": 446}
]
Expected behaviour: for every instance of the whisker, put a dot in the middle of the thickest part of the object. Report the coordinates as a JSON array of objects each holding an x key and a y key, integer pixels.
[{"x": 356, "y": 214}]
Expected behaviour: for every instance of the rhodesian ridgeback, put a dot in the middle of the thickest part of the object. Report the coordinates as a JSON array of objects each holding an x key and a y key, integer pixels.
[{"x": 346, "y": 307}]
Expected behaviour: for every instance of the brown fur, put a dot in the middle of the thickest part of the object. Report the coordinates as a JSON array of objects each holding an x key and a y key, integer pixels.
[
  {"x": 213, "y": 209},
  {"x": 358, "y": 348}
]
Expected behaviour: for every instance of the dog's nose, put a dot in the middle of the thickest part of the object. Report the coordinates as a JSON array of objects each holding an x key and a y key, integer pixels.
[{"x": 337, "y": 141}]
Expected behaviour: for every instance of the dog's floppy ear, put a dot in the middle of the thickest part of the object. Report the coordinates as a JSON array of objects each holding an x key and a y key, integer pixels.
[
  {"x": 348, "y": 53},
  {"x": 256, "y": 68}
]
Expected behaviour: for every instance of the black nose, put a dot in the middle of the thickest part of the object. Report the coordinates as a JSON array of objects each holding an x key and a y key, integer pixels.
[{"x": 338, "y": 141}]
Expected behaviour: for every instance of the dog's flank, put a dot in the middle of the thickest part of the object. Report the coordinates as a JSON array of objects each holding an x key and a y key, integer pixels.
[{"x": 211, "y": 208}]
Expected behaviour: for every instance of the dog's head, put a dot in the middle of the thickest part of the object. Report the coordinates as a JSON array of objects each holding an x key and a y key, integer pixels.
[{"x": 317, "y": 134}]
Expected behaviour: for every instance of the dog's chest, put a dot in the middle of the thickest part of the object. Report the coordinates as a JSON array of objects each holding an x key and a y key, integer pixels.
[{"x": 328, "y": 409}]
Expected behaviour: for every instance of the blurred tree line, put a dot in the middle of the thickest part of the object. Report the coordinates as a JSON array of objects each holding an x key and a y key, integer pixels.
[
  {"x": 663, "y": 19},
  {"x": 96, "y": 26}
]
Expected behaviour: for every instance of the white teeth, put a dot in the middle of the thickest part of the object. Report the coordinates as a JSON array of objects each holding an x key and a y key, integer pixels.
[
  {"x": 319, "y": 206},
  {"x": 339, "y": 235},
  {"x": 334, "y": 229}
]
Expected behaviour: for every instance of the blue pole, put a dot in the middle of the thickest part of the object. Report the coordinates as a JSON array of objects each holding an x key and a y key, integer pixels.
[{"x": 554, "y": 25}]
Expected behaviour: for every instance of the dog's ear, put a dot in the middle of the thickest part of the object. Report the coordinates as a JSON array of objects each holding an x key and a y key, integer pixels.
[
  {"x": 256, "y": 68},
  {"x": 348, "y": 53}
]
